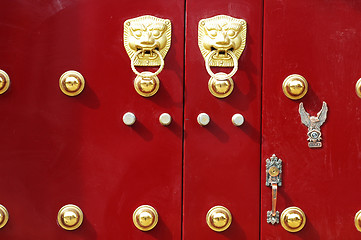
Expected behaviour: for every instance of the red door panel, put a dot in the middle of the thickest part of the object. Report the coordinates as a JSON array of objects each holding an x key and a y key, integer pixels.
[
  {"x": 57, "y": 150},
  {"x": 221, "y": 163},
  {"x": 320, "y": 41}
]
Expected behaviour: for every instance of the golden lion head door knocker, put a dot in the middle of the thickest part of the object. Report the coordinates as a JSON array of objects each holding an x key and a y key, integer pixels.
[
  {"x": 221, "y": 40},
  {"x": 147, "y": 40}
]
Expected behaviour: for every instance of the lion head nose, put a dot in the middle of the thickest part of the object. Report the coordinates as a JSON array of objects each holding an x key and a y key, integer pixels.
[
  {"x": 146, "y": 39},
  {"x": 222, "y": 39}
]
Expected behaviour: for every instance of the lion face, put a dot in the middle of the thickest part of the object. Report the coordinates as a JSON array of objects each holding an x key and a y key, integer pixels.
[
  {"x": 222, "y": 33},
  {"x": 222, "y": 36},
  {"x": 147, "y": 33},
  {"x": 147, "y": 36}
]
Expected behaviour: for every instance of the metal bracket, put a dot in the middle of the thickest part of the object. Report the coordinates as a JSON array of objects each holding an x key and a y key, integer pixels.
[{"x": 273, "y": 179}]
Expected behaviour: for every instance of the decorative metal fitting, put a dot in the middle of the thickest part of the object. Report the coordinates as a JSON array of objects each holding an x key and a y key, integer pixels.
[
  {"x": 314, "y": 125},
  {"x": 273, "y": 179},
  {"x": 4, "y": 216},
  {"x": 146, "y": 34},
  {"x": 70, "y": 217},
  {"x": 295, "y": 86},
  {"x": 4, "y": 81},
  {"x": 237, "y": 119},
  {"x": 358, "y": 221},
  {"x": 219, "y": 218},
  {"x": 147, "y": 40},
  {"x": 165, "y": 119},
  {"x": 129, "y": 118},
  {"x": 293, "y": 219},
  {"x": 358, "y": 88},
  {"x": 221, "y": 40},
  {"x": 145, "y": 218},
  {"x": 71, "y": 83},
  {"x": 203, "y": 119}
]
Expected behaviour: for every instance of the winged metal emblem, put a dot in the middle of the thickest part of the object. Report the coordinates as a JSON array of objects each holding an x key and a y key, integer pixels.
[{"x": 314, "y": 124}]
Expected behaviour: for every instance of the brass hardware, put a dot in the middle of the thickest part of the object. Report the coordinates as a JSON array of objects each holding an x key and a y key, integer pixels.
[
  {"x": 129, "y": 118},
  {"x": 4, "y": 81},
  {"x": 71, "y": 83},
  {"x": 221, "y": 40},
  {"x": 273, "y": 179},
  {"x": 203, "y": 119},
  {"x": 314, "y": 124},
  {"x": 223, "y": 76},
  {"x": 220, "y": 88},
  {"x": 70, "y": 217},
  {"x": 358, "y": 88},
  {"x": 146, "y": 86},
  {"x": 237, "y": 119},
  {"x": 145, "y": 218},
  {"x": 293, "y": 219},
  {"x": 147, "y": 33},
  {"x": 165, "y": 119},
  {"x": 4, "y": 216},
  {"x": 219, "y": 218},
  {"x": 295, "y": 86},
  {"x": 358, "y": 221},
  {"x": 147, "y": 40},
  {"x": 146, "y": 83},
  {"x": 223, "y": 34}
]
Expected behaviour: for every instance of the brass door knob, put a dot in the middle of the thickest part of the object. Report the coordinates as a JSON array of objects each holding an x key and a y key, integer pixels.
[
  {"x": 145, "y": 218},
  {"x": 4, "y": 81},
  {"x": 4, "y": 216},
  {"x": 70, "y": 217},
  {"x": 293, "y": 219},
  {"x": 71, "y": 83},
  {"x": 219, "y": 218},
  {"x": 358, "y": 220},
  {"x": 295, "y": 86}
]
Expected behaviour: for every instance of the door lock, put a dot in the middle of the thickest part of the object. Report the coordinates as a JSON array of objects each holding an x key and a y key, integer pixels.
[
  {"x": 273, "y": 179},
  {"x": 221, "y": 40},
  {"x": 147, "y": 40}
]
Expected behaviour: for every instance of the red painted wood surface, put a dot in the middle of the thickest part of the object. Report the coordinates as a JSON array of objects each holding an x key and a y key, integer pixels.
[
  {"x": 321, "y": 41},
  {"x": 221, "y": 164},
  {"x": 57, "y": 149}
]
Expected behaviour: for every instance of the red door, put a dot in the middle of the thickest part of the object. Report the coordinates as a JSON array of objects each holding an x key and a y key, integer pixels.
[
  {"x": 58, "y": 150},
  {"x": 320, "y": 41},
  {"x": 221, "y": 163}
]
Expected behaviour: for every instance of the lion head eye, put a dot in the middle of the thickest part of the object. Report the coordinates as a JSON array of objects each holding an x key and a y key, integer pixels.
[
  {"x": 137, "y": 33},
  {"x": 213, "y": 33},
  {"x": 156, "y": 33},
  {"x": 231, "y": 33}
]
